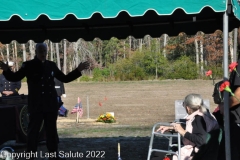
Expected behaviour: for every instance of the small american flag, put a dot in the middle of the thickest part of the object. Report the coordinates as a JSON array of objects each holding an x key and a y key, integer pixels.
[{"x": 78, "y": 108}]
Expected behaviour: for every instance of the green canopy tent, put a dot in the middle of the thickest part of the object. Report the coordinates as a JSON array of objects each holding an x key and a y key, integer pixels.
[{"x": 38, "y": 20}]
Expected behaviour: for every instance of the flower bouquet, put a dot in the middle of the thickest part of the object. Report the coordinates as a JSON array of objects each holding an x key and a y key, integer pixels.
[{"x": 106, "y": 118}]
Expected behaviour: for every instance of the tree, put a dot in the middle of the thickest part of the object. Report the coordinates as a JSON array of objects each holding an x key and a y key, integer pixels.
[
  {"x": 154, "y": 60},
  {"x": 1, "y": 50},
  {"x": 65, "y": 57},
  {"x": 230, "y": 35},
  {"x": 57, "y": 55},
  {"x": 235, "y": 45},
  {"x": 179, "y": 46},
  {"x": 213, "y": 46},
  {"x": 24, "y": 51},
  {"x": 7, "y": 47},
  {"x": 31, "y": 49},
  {"x": 16, "y": 55},
  {"x": 164, "y": 44}
]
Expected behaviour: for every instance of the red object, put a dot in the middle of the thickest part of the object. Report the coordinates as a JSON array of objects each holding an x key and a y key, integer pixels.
[
  {"x": 166, "y": 158},
  {"x": 105, "y": 98},
  {"x": 216, "y": 109},
  {"x": 232, "y": 66},
  {"x": 100, "y": 104},
  {"x": 209, "y": 73},
  {"x": 224, "y": 85}
]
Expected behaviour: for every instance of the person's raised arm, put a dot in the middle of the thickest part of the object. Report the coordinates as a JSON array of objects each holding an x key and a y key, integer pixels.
[{"x": 83, "y": 65}]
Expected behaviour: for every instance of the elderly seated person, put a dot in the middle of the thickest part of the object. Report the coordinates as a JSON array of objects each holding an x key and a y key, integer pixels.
[{"x": 198, "y": 123}]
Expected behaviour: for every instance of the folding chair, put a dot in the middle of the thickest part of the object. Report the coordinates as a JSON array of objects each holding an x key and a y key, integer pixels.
[{"x": 180, "y": 115}]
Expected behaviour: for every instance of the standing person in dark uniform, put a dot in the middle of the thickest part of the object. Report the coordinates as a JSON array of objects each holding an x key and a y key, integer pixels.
[
  {"x": 8, "y": 88},
  {"x": 59, "y": 86},
  {"x": 42, "y": 96},
  {"x": 234, "y": 114}
]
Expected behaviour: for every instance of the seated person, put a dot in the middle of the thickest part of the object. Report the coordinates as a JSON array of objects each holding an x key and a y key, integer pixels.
[
  {"x": 198, "y": 123},
  {"x": 8, "y": 88}
]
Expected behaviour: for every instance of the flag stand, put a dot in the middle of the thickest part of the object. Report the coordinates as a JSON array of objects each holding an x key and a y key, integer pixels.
[
  {"x": 79, "y": 108},
  {"x": 87, "y": 108},
  {"x": 119, "y": 157},
  {"x": 77, "y": 120}
]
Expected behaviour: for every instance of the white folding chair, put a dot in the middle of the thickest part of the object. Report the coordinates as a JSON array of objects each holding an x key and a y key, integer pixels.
[{"x": 180, "y": 115}]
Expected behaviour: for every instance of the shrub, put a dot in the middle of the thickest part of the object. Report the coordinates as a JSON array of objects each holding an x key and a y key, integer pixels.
[
  {"x": 100, "y": 74},
  {"x": 217, "y": 71},
  {"x": 182, "y": 68},
  {"x": 85, "y": 78}
]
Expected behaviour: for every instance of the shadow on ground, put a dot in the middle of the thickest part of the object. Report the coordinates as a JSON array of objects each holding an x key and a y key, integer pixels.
[{"x": 132, "y": 148}]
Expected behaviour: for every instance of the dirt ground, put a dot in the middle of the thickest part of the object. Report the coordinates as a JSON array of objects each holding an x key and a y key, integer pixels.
[{"x": 137, "y": 106}]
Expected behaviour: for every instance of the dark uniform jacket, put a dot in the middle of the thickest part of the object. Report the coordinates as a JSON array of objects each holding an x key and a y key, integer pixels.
[
  {"x": 42, "y": 96},
  {"x": 234, "y": 84},
  {"x": 59, "y": 86},
  {"x": 6, "y": 85}
]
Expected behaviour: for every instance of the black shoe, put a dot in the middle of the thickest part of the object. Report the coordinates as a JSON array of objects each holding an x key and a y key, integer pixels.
[{"x": 66, "y": 113}]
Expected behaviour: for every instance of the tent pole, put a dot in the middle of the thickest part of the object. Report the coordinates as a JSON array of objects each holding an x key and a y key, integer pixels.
[{"x": 226, "y": 95}]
